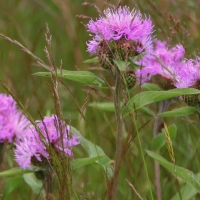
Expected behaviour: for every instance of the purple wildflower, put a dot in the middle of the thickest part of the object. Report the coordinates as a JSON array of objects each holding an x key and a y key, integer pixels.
[
  {"x": 189, "y": 74},
  {"x": 34, "y": 146},
  {"x": 121, "y": 24},
  {"x": 12, "y": 121},
  {"x": 170, "y": 58}
]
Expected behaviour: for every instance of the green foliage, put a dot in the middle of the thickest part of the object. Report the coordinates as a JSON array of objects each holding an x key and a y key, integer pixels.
[
  {"x": 77, "y": 163},
  {"x": 95, "y": 151},
  {"x": 187, "y": 192},
  {"x": 24, "y": 21},
  {"x": 35, "y": 184},
  {"x": 186, "y": 175},
  {"x": 159, "y": 141},
  {"x": 85, "y": 77},
  {"x": 145, "y": 98},
  {"x": 12, "y": 184},
  {"x": 177, "y": 112},
  {"x": 14, "y": 171}
]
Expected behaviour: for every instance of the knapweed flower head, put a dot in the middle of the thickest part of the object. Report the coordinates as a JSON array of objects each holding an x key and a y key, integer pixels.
[
  {"x": 164, "y": 62},
  {"x": 33, "y": 147},
  {"x": 120, "y": 33},
  {"x": 189, "y": 74},
  {"x": 12, "y": 121}
]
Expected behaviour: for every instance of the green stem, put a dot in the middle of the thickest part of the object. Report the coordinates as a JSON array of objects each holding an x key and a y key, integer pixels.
[
  {"x": 118, "y": 133},
  {"x": 141, "y": 150},
  {"x": 145, "y": 167}
]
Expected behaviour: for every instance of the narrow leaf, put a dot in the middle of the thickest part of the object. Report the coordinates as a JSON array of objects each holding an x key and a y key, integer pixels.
[
  {"x": 187, "y": 192},
  {"x": 14, "y": 171},
  {"x": 92, "y": 60},
  {"x": 35, "y": 184},
  {"x": 160, "y": 141},
  {"x": 122, "y": 65},
  {"x": 109, "y": 106},
  {"x": 184, "y": 111},
  {"x": 95, "y": 151},
  {"x": 84, "y": 161},
  {"x": 11, "y": 184},
  {"x": 184, "y": 174},
  {"x": 85, "y": 77},
  {"x": 198, "y": 145},
  {"x": 151, "y": 87},
  {"x": 145, "y": 98},
  {"x": 105, "y": 106}
]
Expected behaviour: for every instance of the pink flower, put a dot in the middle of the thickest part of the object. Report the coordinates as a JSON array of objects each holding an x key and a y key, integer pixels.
[
  {"x": 34, "y": 145},
  {"x": 12, "y": 121},
  {"x": 171, "y": 58},
  {"x": 118, "y": 24}
]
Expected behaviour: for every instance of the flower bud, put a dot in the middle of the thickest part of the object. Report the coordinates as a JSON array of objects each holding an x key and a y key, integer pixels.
[{"x": 130, "y": 78}]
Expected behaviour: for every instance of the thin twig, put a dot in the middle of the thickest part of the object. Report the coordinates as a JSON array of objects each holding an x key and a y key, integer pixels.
[{"x": 135, "y": 191}]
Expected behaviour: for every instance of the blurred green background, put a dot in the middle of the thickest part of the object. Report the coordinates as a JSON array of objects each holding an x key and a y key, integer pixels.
[{"x": 25, "y": 21}]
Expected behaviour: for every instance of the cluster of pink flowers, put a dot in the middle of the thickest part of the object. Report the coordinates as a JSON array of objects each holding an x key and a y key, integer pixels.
[
  {"x": 171, "y": 64},
  {"x": 49, "y": 131},
  {"x": 121, "y": 34},
  {"x": 32, "y": 142},
  {"x": 12, "y": 121},
  {"x": 162, "y": 61}
]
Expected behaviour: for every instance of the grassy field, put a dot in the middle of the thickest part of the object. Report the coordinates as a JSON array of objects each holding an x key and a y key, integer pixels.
[{"x": 176, "y": 22}]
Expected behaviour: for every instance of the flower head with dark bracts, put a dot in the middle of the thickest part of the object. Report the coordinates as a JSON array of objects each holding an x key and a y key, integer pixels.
[
  {"x": 121, "y": 23},
  {"x": 12, "y": 121},
  {"x": 118, "y": 35},
  {"x": 33, "y": 146},
  {"x": 189, "y": 77},
  {"x": 164, "y": 63},
  {"x": 189, "y": 74}
]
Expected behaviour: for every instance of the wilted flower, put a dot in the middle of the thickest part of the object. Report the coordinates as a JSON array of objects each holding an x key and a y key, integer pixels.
[
  {"x": 34, "y": 146},
  {"x": 12, "y": 121},
  {"x": 163, "y": 61},
  {"x": 120, "y": 33}
]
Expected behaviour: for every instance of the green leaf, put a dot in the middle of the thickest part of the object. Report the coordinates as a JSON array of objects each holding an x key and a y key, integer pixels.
[
  {"x": 85, "y": 77},
  {"x": 14, "y": 171},
  {"x": 151, "y": 87},
  {"x": 122, "y": 65},
  {"x": 187, "y": 192},
  {"x": 84, "y": 161},
  {"x": 105, "y": 106},
  {"x": 95, "y": 151},
  {"x": 147, "y": 111},
  {"x": 134, "y": 59},
  {"x": 172, "y": 129},
  {"x": 184, "y": 174},
  {"x": 92, "y": 60},
  {"x": 198, "y": 145},
  {"x": 184, "y": 111},
  {"x": 11, "y": 184},
  {"x": 145, "y": 98},
  {"x": 160, "y": 141},
  {"x": 109, "y": 106},
  {"x": 35, "y": 184},
  {"x": 137, "y": 58}
]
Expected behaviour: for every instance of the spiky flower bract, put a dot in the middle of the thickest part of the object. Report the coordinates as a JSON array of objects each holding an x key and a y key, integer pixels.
[
  {"x": 12, "y": 121},
  {"x": 34, "y": 146},
  {"x": 163, "y": 62}
]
